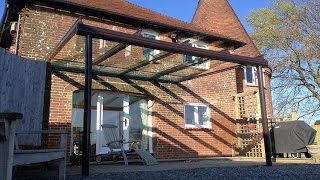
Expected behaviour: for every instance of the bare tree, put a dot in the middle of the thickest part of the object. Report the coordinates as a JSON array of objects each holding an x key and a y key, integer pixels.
[{"x": 288, "y": 34}]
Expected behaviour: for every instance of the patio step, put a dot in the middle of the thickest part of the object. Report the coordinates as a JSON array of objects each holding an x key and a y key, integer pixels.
[{"x": 146, "y": 157}]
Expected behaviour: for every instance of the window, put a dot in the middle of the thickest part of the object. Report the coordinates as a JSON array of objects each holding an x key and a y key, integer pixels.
[
  {"x": 251, "y": 76},
  {"x": 103, "y": 44},
  {"x": 196, "y": 115},
  {"x": 127, "y": 52},
  {"x": 149, "y": 53},
  {"x": 190, "y": 59}
]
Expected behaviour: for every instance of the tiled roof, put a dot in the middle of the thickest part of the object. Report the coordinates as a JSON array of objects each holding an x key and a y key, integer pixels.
[
  {"x": 218, "y": 16},
  {"x": 128, "y": 9}
]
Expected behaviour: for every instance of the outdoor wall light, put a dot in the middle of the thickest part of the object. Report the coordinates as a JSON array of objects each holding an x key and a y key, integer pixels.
[{"x": 174, "y": 37}]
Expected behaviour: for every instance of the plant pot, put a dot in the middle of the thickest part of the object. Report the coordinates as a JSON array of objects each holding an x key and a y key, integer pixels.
[{"x": 314, "y": 151}]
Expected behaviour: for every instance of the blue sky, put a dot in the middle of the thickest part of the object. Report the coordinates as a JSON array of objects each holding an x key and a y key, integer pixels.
[
  {"x": 184, "y": 9},
  {"x": 1, "y": 8}
]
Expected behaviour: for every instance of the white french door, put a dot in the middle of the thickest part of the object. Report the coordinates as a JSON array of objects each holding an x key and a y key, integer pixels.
[{"x": 112, "y": 109}]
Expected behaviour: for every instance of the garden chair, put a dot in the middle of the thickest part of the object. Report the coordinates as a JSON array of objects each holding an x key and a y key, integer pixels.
[{"x": 114, "y": 142}]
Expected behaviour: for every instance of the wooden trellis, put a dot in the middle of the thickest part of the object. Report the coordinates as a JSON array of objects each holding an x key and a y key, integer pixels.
[
  {"x": 247, "y": 105},
  {"x": 250, "y": 140},
  {"x": 317, "y": 128}
]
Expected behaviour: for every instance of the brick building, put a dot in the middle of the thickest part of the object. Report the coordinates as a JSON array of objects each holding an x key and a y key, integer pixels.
[{"x": 185, "y": 113}]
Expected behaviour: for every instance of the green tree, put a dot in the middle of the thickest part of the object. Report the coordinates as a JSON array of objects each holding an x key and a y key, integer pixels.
[{"x": 288, "y": 34}]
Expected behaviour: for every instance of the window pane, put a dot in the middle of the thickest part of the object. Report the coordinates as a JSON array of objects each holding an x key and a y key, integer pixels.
[
  {"x": 149, "y": 36},
  {"x": 189, "y": 114},
  {"x": 249, "y": 74},
  {"x": 139, "y": 127},
  {"x": 203, "y": 115},
  {"x": 188, "y": 59},
  {"x": 147, "y": 52}
]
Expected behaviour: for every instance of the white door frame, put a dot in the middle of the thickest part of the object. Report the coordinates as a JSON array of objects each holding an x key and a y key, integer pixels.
[
  {"x": 149, "y": 108},
  {"x": 124, "y": 123}
]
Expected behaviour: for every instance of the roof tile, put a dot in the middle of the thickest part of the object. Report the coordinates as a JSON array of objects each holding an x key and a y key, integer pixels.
[
  {"x": 218, "y": 16},
  {"x": 126, "y": 8}
]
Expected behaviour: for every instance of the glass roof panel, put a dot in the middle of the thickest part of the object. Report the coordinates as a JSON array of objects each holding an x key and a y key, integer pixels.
[{"x": 121, "y": 60}]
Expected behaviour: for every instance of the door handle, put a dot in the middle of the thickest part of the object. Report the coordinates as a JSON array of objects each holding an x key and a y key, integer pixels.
[{"x": 125, "y": 122}]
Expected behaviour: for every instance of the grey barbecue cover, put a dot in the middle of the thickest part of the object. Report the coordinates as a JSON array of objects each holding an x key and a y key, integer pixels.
[{"x": 292, "y": 137}]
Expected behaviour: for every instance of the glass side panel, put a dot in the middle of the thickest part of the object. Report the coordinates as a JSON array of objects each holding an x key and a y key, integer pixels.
[
  {"x": 139, "y": 125},
  {"x": 108, "y": 108},
  {"x": 189, "y": 111},
  {"x": 203, "y": 116},
  {"x": 249, "y": 74}
]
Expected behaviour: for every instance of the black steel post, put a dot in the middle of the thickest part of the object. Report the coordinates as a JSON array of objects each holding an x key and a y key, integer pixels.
[
  {"x": 266, "y": 132},
  {"x": 87, "y": 107}
]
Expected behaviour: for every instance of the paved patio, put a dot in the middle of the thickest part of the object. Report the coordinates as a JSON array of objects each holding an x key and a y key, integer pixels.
[
  {"x": 163, "y": 165},
  {"x": 217, "y": 168}
]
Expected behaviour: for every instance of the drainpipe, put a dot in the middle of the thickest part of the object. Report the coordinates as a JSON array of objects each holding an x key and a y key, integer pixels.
[
  {"x": 4, "y": 18},
  {"x": 17, "y": 36}
]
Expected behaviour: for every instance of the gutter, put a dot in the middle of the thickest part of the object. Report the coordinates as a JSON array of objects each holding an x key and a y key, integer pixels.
[{"x": 4, "y": 19}]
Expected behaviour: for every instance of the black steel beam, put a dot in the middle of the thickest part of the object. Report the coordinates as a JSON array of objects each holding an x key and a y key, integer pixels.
[
  {"x": 66, "y": 38},
  {"x": 178, "y": 68},
  {"x": 119, "y": 47},
  {"x": 169, "y": 47},
  {"x": 146, "y": 62},
  {"x": 87, "y": 107},
  {"x": 198, "y": 75},
  {"x": 109, "y": 53},
  {"x": 266, "y": 132},
  {"x": 105, "y": 72}
]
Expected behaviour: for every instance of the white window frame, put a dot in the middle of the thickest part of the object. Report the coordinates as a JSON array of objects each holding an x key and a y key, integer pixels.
[
  {"x": 200, "y": 45},
  {"x": 196, "y": 116},
  {"x": 127, "y": 52},
  {"x": 103, "y": 43},
  {"x": 254, "y": 76},
  {"x": 146, "y": 33}
]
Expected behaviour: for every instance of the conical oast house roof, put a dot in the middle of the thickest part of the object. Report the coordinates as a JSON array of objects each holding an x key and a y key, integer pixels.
[{"x": 218, "y": 16}]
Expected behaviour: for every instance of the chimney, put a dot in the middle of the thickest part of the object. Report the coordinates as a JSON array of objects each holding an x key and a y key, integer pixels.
[{"x": 294, "y": 114}]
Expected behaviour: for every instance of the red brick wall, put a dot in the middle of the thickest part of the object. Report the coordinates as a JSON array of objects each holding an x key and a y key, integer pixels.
[
  {"x": 174, "y": 141},
  {"x": 243, "y": 87},
  {"x": 43, "y": 28}
]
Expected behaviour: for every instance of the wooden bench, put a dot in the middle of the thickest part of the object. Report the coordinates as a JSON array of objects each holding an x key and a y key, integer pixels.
[{"x": 11, "y": 156}]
